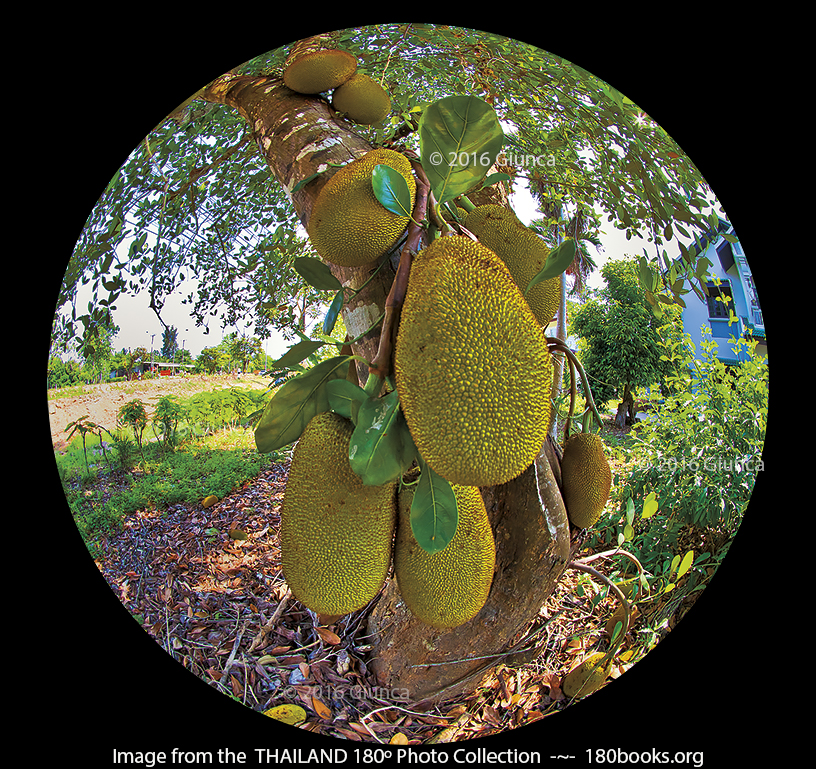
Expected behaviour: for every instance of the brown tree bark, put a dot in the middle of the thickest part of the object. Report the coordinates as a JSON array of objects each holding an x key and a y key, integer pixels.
[{"x": 299, "y": 135}]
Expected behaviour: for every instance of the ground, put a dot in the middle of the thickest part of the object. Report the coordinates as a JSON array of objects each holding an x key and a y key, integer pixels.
[
  {"x": 206, "y": 585},
  {"x": 101, "y": 403}
]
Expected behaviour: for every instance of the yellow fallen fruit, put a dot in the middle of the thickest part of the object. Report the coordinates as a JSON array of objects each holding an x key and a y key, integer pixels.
[{"x": 209, "y": 501}]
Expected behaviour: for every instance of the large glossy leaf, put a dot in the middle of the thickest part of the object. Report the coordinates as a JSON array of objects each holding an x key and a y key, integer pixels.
[
  {"x": 345, "y": 398},
  {"x": 333, "y": 312},
  {"x": 381, "y": 448},
  {"x": 296, "y": 353},
  {"x": 316, "y": 273},
  {"x": 460, "y": 138},
  {"x": 391, "y": 189},
  {"x": 298, "y": 400},
  {"x": 434, "y": 514},
  {"x": 557, "y": 261}
]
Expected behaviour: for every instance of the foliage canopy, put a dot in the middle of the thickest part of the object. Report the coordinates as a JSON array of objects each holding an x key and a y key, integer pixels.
[{"x": 196, "y": 200}]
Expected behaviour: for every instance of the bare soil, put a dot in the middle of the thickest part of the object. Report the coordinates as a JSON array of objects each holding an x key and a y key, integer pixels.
[{"x": 101, "y": 402}]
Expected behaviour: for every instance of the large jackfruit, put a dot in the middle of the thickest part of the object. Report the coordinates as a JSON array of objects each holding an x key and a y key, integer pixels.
[
  {"x": 586, "y": 478},
  {"x": 316, "y": 71},
  {"x": 348, "y": 225},
  {"x": 587, "y": 676},
  {"x": 471, "y": 365},
  {"x": 448, "y": 588},
  {"x": 335, "y": 533},
  {"x": 363, "y": 100},
  {"x": 522, "y": 250}
]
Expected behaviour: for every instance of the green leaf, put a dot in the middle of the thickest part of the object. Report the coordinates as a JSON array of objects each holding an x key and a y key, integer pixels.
[
  {"x": 557, "y": 261},
  {"x": 345, "y": 398},
  {"x": 685, "y": 564},
  {"x": 295, "y": 404},
  {"x": 333, "y": 312},
  {"x": 649, "y": 506},
  {"x": 297, "y": 353},
  {"x": 316, "y": 273},
  {"x": 495, "y": 179},
  {"x": 434, "y": 514},
  {"x": 391, "y": 189},
  {"x": 381, "y": 448},
  {"x": 460, "y": 138}
]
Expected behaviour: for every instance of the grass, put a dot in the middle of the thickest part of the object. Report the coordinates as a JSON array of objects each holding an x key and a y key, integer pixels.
[{"x": 105, "y": 481}]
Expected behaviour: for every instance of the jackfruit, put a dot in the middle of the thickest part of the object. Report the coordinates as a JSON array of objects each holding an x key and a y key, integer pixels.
[
  {"x": 335, "y": 533},
  {"x": 522, "y": 250},
  {"x": 316, "y": 71},
  {"x": 471, "y": 365},
  {"x": 363, "y": 100},
  {"x": 348, "y": 225},
  {"x": 448, "y": 588},
  {"x": 586, "y": 479},
  {"x": 586, "y": 677}
]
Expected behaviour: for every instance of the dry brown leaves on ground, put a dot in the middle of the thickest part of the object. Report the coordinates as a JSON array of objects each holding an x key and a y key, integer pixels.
[{"x": 205, "y": 582}]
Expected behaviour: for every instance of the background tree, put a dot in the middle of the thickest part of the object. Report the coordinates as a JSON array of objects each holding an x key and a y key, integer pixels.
[
  {"x": 622, "y": 343},
  {"x": 169, "y": 342}
]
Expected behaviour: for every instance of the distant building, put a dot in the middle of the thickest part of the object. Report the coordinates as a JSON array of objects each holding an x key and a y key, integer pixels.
[{"x": 729, "y": 265}]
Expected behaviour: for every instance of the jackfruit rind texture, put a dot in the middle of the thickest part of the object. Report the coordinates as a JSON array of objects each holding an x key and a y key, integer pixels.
[
  {"x": 319, "y": 71},
  {"x": 335, "y": 533},
  {"x": 471, "y": 366},
  {"x": 448, "y": 588},
  {"x": 522, "y": 250},
  {"x": 363, "y": 100},
  {"x": 586, "y": 478},
  {"x": 348, "y": 225},
  {"x": 586, "y": 677}
]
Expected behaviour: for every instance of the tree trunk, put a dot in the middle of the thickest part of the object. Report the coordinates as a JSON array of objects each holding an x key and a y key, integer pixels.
[
  {"x": 626, "y": 409},
  {"x": 299, "y": 135}
]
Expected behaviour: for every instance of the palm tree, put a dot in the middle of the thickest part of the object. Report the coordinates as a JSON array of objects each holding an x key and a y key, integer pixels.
[{"x": 581, "y": 227}]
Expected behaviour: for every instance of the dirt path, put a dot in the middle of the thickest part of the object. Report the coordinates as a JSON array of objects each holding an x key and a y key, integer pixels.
[{"x": 102, "y": 402}]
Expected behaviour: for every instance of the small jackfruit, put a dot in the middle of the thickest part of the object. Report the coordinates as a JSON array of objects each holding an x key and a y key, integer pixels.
[
  {"x": 586, "y": 677},
  {"x": 363, "y": 100},
  {"x": 316, "y": 71},
  {"x": 348, "y": 225},
  {"x": 586, "y": 478},
  {"x": 448, "y": 588},
  {"x": 471, "y": 364},
  {"x": 335, "y": 533},
  {"x": 522, "y": 250}
]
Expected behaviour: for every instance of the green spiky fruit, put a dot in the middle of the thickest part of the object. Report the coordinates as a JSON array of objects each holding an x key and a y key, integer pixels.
[
  {"x": 586, "y": 478},
  {"x": 348, "y": 225},
  {"x": 522, "y": 250},
  {"x": 316, "y": 71},
  {"x": 362, "y": 99},
  {"x": 586, "y": 677},
  {"x": 471, "y": 365},
  {"x": 335, "y": 533},
  {"x": 448, "y": 588}
]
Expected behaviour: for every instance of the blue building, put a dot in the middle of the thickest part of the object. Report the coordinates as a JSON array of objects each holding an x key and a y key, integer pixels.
[{"x": 729, "y": 277}]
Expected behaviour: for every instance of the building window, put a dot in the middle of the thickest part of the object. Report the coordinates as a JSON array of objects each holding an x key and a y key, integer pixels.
[
  {"x": 726, "y": 255},
  {"x": 717, "y": 307}
]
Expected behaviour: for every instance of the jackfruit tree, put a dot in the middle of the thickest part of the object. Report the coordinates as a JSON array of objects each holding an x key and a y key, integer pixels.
[{"x": 446, "y": 371}]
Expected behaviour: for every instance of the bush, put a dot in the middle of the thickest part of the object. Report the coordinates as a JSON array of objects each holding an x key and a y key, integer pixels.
[{"x": 698, "y": 452}]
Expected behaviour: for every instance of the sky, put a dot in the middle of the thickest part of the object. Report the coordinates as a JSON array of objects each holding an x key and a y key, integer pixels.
[{"x": 141, "y": 328}]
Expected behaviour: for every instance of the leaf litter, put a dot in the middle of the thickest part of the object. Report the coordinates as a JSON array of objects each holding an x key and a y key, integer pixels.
[{"x": 218, "y": 604}]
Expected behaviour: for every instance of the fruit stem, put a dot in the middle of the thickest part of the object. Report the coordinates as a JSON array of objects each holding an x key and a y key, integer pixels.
[
  {"x": 558, "y": 345},
  {"x": 610, "y": 653},
  {"x": 381, "y": 365}
]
